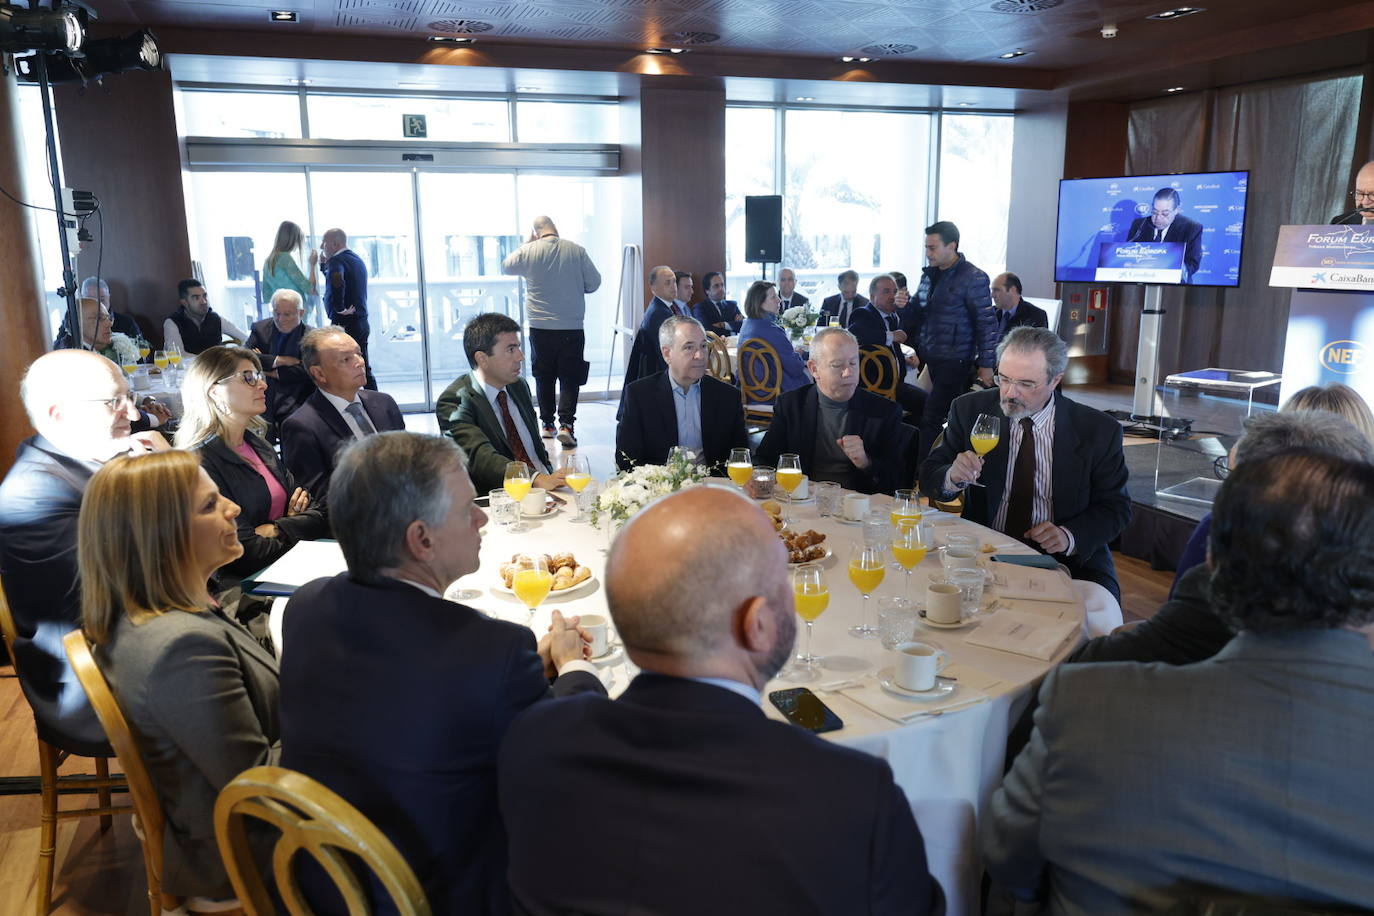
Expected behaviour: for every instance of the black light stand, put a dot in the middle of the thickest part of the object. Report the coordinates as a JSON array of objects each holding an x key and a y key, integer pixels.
[{"x": 68, "y": 287}]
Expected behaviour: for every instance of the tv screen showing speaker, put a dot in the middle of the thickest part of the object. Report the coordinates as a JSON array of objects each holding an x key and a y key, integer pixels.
[{"x": 1170, "y": 229}]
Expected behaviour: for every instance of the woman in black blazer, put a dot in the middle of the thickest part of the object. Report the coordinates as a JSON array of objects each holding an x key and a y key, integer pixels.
[{"x": 224, "y": 396}]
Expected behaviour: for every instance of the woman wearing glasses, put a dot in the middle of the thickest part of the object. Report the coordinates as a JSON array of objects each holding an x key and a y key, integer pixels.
[{"x": 223, "y": 398}]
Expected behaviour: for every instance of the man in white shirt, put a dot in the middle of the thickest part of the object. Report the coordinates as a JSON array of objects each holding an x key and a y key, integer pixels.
[{"x": 338, "y": 412}]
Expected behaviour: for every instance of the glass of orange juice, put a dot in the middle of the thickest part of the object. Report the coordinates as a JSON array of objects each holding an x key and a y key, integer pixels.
[
  {"x": 578, "y": 476},
  {"x": 532, "y": 580},
  {"x": 788, "y": 476},
  {"x": 983, "y": 438},
  {"x": 517, "y": 485},
  {"x": 906, "y": 505},
  {"x": 160, "y": 359},
  {"x": 867, "y": 566},
  {"x": 812, "y": 597},
  {"x": 740, "y": 467},
  {"x": 909, "y": 547}
]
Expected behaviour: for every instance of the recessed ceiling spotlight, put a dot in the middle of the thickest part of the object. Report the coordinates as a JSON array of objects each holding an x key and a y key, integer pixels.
[
  {"x": 1175, "y": 89},
  {"x": 1177, "y": 13},
  {"x": 1012, "y": 55},
  {"x": 855, "y": 60},
  {"x": 449, "y": 40},
  {"x": 806, "y": 98},
  {"x": 282, "y": 16},
  {"x": 668, "y": 51}
]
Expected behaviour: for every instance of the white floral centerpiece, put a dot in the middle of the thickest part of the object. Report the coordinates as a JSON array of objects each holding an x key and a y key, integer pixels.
[
  {"x": 125, "y": 349},
  {"x": 634, "y": 489},
  {"x": 797, "y": 319}
]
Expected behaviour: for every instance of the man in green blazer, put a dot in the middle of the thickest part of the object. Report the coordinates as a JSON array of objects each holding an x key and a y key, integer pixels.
[{"x": 489, "y": 411}]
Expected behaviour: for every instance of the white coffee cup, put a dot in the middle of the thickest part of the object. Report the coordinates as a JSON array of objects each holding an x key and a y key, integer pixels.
[
  {"x": 916, "y": 665},
  {"x": 958, "y": 558},
  {"x": 533, "y": 503},
  {"x": 855, "y": 506},
  {"x": 802, "y": 488},
  {"x": 599, "y": 629},
  {"x": 944, "y": 603}
]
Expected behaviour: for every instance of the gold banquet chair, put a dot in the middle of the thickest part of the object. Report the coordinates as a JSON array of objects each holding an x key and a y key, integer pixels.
[
  {"x": 879, "y": 371},
  {"x": 50, "y": 758},
  {"x": 760, "y": 380},
  {"x": 313, "y": 819},
  {"x": 718, "y": 360},
  {"x": 147, "y": 807}
]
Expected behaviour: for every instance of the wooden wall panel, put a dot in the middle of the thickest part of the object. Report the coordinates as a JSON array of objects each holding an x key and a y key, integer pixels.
[
  {"x": 120, "y": 141},
  {"x": 1097, "y": 133},
  {"x": 21, "y": 283},
  {"x": 682, "y": 162}
]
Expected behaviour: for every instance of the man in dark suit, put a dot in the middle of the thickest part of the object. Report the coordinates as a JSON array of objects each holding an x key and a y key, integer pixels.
[
  {"x": 1166, "y": 224},
  {"x": 841, "y": 305},
  {"x": 1144, "y": 784},
  {"x": 1363, "y": 198},
  {"x": 645, "y": 357},
  {"x": 877, "y": 324},
  {"x": 1012, "y": 310},
  {"x": 688, "y": 799},
  {"x": 840, "y": 432},
  {"x": 338, "y": 412},
  {"x": 398, "y": 699},
  {"x": 681, "y": 406},
  {"x": 79, "y": 403},
  {"x": 277, "y": 341},
  {"x": 345, "y": 292},
  {"x": 787, "y": 290},
  {"x": 489, "y": 411},
  {"x": 715, "y": 312},
  {"x": 1056, "y": 478}
]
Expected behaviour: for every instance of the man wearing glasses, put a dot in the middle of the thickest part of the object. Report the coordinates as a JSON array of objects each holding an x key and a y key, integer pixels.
[
  {"x": 1362, "y": 197},
  {"x": 1056, "y": 479},
  {"x": 79, "y": 403},
  {"x": 1165, "y": 224}
]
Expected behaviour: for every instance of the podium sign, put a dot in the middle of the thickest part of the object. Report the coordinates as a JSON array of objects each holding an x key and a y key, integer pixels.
[
  {"x": 1140, "y": 262},
  {"x": 1324, "y": 257}
]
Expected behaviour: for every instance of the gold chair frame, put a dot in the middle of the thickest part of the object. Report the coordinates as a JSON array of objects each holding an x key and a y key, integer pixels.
[
  {"x": 879, "y": 371},
  {"x": 51, "y": 783},
  {"x": 758, "y": 396},
  {"x": 147, "y": 807},
  {"x": 318, "y": 821},
  {"x": 718, "y": 360}
]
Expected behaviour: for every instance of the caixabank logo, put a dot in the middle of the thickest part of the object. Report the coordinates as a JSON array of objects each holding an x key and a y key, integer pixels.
[{"x": 1344, "y": 356}]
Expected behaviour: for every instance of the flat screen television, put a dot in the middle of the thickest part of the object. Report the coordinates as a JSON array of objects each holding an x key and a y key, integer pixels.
[{"x": 1170, "y": 229}]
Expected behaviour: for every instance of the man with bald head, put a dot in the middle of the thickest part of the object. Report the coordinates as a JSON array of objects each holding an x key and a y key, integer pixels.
[
  {"x": 345, "y": 292},
  {"x": 688, "y": 799},
  {"x": 79, "y": 403},
  {"x": 1362, "y": 199},
  {"x": 559, "y": 274}
]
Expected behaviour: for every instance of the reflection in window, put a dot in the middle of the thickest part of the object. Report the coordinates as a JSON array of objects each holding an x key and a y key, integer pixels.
[
  {"x": 367, "y": 117},
  {"x": 567, "y": 122},
  {"x": 975, "y": 184},
  {"x": 224, "y": 113},
  {"x": 749, "y": 170}
]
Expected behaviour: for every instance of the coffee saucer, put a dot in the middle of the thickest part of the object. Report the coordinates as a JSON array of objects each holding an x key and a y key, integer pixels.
[
  {"x": 847, "y": 521},
  {"x": 613, "y": 654},
  {"x": 943, "y": 626},
  {"x": 887, "y": 680}
]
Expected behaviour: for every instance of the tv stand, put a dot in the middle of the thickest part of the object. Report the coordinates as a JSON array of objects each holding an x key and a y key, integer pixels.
[{"x": 1142, "y": 416}]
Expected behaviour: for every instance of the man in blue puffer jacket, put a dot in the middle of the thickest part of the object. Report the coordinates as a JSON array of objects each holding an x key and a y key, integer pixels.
[{"x": 958, "y": 326}]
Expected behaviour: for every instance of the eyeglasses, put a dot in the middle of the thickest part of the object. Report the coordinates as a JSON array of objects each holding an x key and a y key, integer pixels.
[
  {"x": 1022, "y": 384},
  {"x": 1362, "y": 195},
  {"x": 251, "y": 377},
  {"x": 116, "y": 403}
]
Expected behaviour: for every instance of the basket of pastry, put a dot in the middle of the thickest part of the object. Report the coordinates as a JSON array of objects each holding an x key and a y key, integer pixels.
[
  {"x": 567, "y": 572},
  {"x": 804, "y": 546}
]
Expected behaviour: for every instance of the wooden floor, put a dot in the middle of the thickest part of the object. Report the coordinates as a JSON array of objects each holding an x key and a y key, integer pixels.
[{"x": 103, "y": 873}]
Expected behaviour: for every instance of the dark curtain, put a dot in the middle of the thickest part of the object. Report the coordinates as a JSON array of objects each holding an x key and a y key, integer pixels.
[{"x": 1297, "y": 138}]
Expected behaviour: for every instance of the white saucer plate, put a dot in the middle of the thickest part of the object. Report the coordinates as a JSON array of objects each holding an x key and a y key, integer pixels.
[
  {"x": 888, "y": 681},
  {"x": 828, "y": 554},
  {"x": 945, "y": 626}
]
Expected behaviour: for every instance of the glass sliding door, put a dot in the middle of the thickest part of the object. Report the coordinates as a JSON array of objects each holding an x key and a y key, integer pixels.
[{"x": 377, "y": 212}]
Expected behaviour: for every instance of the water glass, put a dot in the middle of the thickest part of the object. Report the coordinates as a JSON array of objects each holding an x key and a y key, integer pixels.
[
  {"x": 896, "y": 621},
  {"x": 970, "y": 542},
  {"x": 877, "y": 529},
  {"x": 586, "y": 500},
  {"x": 762, "y": 482},
  {"x": 970, "y": 584},
  {"x": 503, "y": 510},
  {"x": 828, "y": 496}
]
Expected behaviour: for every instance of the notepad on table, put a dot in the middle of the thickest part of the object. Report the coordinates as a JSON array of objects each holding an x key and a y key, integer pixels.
[
  {"x": 1032, "y": 584},
  {"x": 1023, "y": 634}
]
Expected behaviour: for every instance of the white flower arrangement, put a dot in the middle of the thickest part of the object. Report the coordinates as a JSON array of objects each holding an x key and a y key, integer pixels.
[
  {"x": 634, "y": 489},
  {"x": 124, "y": 348},
  {"x": 797, "y": 319}
]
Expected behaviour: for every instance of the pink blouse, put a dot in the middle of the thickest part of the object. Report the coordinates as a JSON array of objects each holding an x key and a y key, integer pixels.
[{"x": 274, "y": 487}]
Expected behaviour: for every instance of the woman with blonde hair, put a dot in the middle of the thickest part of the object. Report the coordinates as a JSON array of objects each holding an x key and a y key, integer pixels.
[
  {"x": 1342, "y": 400},
  {"x": 200, "y": 694},
  {"x": 223, "y": 397},
  {"x": 281, "y": 270}
]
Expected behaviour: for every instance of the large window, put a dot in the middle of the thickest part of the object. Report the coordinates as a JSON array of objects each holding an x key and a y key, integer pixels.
[
  {"x": 370, "y": 117},
  {"x": 857, "y": 186}
]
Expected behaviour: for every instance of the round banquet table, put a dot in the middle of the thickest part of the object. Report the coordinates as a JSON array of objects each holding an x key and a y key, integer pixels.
[{"x": 948, "y": 764}]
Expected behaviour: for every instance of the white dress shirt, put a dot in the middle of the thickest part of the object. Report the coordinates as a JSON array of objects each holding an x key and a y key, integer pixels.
[
  {"x": 525, "y": 434},
  {"x": 342, "y": 407}
]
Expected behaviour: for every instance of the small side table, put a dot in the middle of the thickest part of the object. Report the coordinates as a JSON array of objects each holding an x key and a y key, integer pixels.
[{"x": 1179, "y": 467}]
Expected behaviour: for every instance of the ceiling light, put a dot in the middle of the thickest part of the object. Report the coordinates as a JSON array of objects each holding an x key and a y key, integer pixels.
[
  {"x": 1012, "y": 55},
  {"x": 965, "y": 104},
  {"x": 668, "y": 51},
  {"x": 806, "y": 98},
  {"x": 1175, "y": 89},
  {"x": 282, "y": 16},
  {"x": 1177, "y": 13},
  {"x": 851, "y": 60},
  {"x": 449, "y": 40},
  {"x": 42, "y": 29}
]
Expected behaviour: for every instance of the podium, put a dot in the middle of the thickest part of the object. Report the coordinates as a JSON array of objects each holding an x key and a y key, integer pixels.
[{"x": 1330, "y": 336}]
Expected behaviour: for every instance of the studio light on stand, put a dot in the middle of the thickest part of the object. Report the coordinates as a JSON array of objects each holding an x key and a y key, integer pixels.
[
  {"x": 99, "y": 57},
  {"x": 61, "y": 28}
]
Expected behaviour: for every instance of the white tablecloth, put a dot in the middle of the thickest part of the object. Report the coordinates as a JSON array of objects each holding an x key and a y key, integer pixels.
[{"x": 948, "y": 765}]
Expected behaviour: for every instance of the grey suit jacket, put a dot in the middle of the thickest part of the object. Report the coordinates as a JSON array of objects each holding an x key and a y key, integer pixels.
[
  {"x": 200, "y": 695},
  {"x": 1246, "y": 773}
]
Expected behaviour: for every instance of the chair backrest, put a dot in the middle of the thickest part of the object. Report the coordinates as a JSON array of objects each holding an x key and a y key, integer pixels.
[
  {"x": 878, "y": 371},
  {"x": 318, "y": 821},
  {"x": 146, "y": 803},
  {"x": 8, "y": 632},
  {"x": 718, "y": 361},
  {"x": 760, "y": 371}
]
